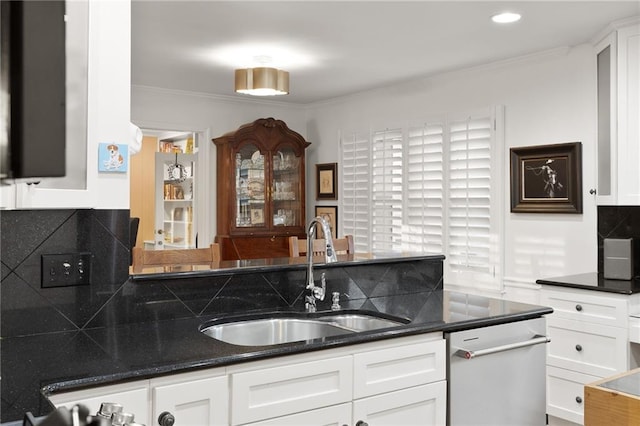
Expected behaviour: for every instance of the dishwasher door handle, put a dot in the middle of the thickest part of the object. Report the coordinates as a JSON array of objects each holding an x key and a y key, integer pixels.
[{"x": 469, "y": 354}]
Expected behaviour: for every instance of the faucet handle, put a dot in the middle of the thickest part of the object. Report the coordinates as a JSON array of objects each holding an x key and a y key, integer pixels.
[{"x": 320, "y": 291}]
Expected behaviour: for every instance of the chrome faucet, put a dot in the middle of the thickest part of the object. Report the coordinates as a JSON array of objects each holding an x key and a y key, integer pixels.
[{"x": 329, "y": 257}]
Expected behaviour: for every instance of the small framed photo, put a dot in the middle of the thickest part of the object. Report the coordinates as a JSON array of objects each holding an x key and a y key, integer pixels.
[
  {"x": 327, "y": 181},
  {"x": 330, "y": 214},
  {"x": 178, "y": 192},
  {"x": 547, "y": 178},
  {"x": 257, "y": 216}
]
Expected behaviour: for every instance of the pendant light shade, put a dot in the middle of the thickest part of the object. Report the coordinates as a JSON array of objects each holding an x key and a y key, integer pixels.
[{"x": 262, "y": 81}]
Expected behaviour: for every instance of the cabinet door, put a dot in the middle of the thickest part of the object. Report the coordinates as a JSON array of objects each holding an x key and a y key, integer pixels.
[
  {"x": 287, "y": 190},
  {"x": 249, "y": 211},
  {"x": 202, "y": 402},
  {"x": 336, "y": 415},
  {"x": 424, "y": 405},
  {"x": 133, "y": 397},
  {"x": 628, "y": 115}
]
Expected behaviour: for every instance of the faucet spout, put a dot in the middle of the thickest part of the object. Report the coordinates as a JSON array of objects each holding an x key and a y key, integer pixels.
[{"x": 329, "y": 256}]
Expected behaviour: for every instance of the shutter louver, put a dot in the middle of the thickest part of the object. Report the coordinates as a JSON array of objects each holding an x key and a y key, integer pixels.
[
  {"x": 469, "y": 202},
  {"x": 386, "y": 177},
  {"x": 424, "y": 189},
  {"x": 356, "y": 190}
]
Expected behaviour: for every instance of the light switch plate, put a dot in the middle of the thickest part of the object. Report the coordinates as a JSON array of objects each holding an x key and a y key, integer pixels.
[{"x": 68, "y": 269}]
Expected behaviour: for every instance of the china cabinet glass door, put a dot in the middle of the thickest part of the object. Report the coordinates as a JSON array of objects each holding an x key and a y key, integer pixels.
[
  {"x": 285, "y": 188},
  {"x": 250, "y": 208}
]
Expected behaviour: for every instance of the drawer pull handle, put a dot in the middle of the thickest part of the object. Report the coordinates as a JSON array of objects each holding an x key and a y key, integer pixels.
[
  {"x": 469, "y": 354},
  {"x": 579, "y": 348},
  {"x": 578, "y": 400},
  {"x": 361, "y": 423},
  {"x": 578, "y": 308}
]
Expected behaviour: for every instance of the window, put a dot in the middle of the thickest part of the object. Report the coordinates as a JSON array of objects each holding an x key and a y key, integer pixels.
[{"x": 433, "y": 189}]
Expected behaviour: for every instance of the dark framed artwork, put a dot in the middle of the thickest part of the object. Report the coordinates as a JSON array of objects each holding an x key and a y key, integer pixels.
[
  {"x": 327, "y": 181},
  {"x": 330, "y": 214},
  {"x": 547, "y": 178}
]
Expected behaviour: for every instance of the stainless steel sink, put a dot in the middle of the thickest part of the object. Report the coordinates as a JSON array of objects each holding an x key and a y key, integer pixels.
[{"x": 285, "y": 329}]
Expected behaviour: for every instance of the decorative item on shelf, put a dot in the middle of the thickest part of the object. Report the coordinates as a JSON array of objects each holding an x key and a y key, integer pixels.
[
  {"x": 189, "y": 146},
  {"x": 166, "y": 146},
  {"x": 257, "y": 216},
  {"x": 326, "y": 181},
  {"x": 547, "y": 178},
  {"x": 330, "y": 214},
  {"x": 178, "y": 214},
  {"x": 177, "y": 172},
  {"x": 190, "y": 214},
  {"x": 177, "y": 192},
  {"x": 168, "y": 194}
]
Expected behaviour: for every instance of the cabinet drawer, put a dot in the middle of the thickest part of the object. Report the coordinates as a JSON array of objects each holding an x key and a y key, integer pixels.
[
  {"x": 587, "y": 306},
  {"x": 424, "y": 405},
  {"x": 565, "y": 393},
  {"x": 396, "y": 368},
  {"x": 336, "y": 415},
  {"x": 593, "y": 349},
  {"x": 278, "y": 391}
]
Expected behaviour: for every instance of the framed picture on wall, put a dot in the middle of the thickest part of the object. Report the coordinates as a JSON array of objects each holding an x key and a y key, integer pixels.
[
  {"x": 327, "y": 181},
  {"x": 547, "y": 178},
  {"x": 330, "y": 214}
]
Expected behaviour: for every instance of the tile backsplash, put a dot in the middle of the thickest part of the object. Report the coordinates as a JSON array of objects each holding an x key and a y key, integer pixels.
[
  {"x": 619, "y": 222},
  {"x": 26, "y": 235},
  {"x": 112, "y": 298}
]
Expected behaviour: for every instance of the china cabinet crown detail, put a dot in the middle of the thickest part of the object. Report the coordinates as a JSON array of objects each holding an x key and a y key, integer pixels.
[{"x": 260, "y": 189}]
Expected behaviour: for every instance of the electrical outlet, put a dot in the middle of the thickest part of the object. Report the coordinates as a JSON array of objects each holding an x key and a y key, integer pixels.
[{"x": 62, "y": 270}]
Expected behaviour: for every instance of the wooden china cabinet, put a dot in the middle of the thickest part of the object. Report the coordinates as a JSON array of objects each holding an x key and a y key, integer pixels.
[{"x": 260, "y": 189}]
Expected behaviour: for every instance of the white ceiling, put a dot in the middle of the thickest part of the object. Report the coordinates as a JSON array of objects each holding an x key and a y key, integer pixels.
[{"x": 348, "y": 47}]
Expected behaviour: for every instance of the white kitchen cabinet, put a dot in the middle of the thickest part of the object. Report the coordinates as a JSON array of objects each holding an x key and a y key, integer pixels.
[
  {"x": 400, "y": 381},
  {"x": 132, "y": 396},
  {"x": 589, "y": 332},
  {"x": 618, "y": 101},
  {"x": 194, "y": 399},
  {"x": 423, "y": 405}
]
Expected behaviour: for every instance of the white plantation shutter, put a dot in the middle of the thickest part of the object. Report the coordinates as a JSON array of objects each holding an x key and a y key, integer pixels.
[
  {"x": 435, "y": 188},
  {"x": 356, "y": 190},
  {"x": 469, "y": 188},
  {"x": 386, "y": 194},
  {"x": 424, "y": 189}
]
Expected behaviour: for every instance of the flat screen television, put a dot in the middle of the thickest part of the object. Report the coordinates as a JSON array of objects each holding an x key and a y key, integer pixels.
[{"x": 33, "y": 80}]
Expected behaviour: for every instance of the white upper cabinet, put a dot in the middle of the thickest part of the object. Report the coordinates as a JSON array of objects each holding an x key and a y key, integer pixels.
[{"x": 618, "y": 139}]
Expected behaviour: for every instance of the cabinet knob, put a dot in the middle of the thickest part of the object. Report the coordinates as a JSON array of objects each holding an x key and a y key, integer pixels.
[
  {"x": 579, "y": 348},
  {"x": 166, "y": 419},
  {"x": 273, "y": 238},
  {"x": 361, "y": 423},
  {"x": 592, "y": 191},
  {"x": 578, "y": 308},
  {"x": 579, "y": 399}
]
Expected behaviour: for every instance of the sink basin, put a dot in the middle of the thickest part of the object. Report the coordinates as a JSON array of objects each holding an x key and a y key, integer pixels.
[{"x": 285, "y": 329}]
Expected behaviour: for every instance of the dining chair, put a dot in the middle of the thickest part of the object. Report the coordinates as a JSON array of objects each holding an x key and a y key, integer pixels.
[
  {"x": 298, "y": 247},
  {"x": 156, "y": 258}
]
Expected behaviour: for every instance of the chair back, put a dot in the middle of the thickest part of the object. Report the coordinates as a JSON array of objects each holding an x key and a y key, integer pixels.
[
  {"x": 150, "y": 258},
  {"x": 298, "y": 247}
]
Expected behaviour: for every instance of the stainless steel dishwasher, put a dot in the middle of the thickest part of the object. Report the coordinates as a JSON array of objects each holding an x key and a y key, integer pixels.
[{"x": 497, "y": 375}]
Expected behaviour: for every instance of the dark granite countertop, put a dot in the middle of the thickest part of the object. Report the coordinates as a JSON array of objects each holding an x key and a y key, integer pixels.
[
  {"x": 594, "y": 281},
  {"x": 35, "y": 366},
  {"x": 247, "y": 266}
]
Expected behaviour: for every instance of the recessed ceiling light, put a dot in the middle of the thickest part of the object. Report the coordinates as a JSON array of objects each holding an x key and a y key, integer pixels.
[{"x": 506, "y": 17}]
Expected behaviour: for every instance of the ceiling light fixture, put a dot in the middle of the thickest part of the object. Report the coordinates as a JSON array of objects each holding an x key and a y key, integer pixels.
[
  {"x": 506, "y": 18},
  {"x": 262, "y": 81}
]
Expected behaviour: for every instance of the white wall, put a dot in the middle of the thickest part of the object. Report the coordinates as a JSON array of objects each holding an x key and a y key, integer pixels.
[{"x": 548, "y": 98}]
